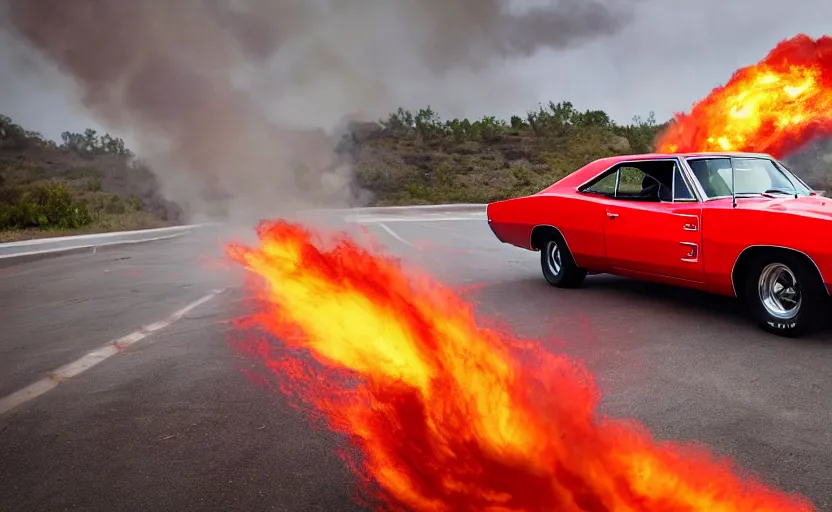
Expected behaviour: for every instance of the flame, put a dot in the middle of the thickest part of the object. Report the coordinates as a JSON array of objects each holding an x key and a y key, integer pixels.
[
  {"x": 450, "y": 415},
  {"x": 776, "y": 106}
]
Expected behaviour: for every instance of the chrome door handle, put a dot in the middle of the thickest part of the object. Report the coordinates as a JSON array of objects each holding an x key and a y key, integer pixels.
[
  {"x": 612, "y": 215},
  {"x": 689, "y": 227}
]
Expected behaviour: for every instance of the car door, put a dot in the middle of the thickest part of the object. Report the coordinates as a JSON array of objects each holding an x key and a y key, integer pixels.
[{"x": 662, "y": 239}]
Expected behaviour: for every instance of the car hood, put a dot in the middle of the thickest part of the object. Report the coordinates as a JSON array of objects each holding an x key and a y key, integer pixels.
[{"x": 810, "y": 206}]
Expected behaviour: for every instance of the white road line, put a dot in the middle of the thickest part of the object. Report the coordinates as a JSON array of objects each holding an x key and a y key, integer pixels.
[
  {"x": 394, "y": 234},
  {"x": 91, "y": 359},
  {"x": 368, "y": 219}
]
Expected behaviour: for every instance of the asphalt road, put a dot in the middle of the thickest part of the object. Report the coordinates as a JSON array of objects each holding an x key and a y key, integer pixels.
[{"x": 173, "y": 422}]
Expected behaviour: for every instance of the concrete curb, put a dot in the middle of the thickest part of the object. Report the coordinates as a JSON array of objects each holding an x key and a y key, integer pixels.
[
  {"x": 112, "y": 235},
  {"x": 8, "y": 260},
  {"x": 24, "y": 251},
  {"x": 96, "y": 239}
]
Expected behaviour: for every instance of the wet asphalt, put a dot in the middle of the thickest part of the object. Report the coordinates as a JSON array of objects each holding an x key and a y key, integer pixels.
[{"x": 174, "y": 422}]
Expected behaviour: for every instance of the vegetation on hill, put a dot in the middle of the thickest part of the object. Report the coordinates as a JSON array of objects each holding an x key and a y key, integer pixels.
[
  {"x": 88, "y": 183},
  {"x": 92, "y": 182},
  {"x": 421, "y": 159}
]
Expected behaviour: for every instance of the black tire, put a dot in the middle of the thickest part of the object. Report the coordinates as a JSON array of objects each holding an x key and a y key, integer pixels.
[
  {"x": 558, "y": 265},
  {"x": 785, "y": 294}
]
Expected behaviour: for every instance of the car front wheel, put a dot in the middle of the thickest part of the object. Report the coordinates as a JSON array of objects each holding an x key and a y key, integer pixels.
[
  {"x": 785, "y": 294},
  {"x": 558, "y": 266}
]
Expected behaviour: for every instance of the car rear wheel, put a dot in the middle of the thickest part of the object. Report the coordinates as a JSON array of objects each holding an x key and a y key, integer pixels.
[
  {"x": 785, "y": 294},
  {"x": 559, "y": 266}
]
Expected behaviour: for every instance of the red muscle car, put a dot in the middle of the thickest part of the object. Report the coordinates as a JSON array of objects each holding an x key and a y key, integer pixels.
[{"x": 736, "y": 224}]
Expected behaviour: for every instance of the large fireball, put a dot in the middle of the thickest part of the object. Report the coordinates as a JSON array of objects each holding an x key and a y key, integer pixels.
[
  {"x": 448, "y": 415},
  {"x": 776, "y": 106}
]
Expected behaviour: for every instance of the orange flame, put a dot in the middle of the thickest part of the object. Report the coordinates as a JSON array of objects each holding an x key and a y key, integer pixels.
[
  {"x": 776, "y": 106},
  {"x": 449, "y": 415}
]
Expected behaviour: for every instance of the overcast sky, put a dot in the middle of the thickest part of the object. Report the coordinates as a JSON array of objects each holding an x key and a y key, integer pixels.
[{"x": 673, "y": 53}]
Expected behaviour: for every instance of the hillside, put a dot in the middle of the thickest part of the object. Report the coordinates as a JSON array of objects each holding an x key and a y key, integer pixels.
[
  {"x": 93, "y": 183},
  {"x": 89, "y": 183},
  {"x": 420, "y": 159}
]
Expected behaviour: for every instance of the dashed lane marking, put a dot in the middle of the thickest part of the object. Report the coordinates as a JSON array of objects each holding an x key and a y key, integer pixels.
[{"x": 91, "y": 359}]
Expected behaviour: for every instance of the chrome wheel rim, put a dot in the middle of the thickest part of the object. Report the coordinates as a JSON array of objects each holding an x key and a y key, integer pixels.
[
  {"x": 553, "y": 257},
  {"x": 779, "y": 291}
]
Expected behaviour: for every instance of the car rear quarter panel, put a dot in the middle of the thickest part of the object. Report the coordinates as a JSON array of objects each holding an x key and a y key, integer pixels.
[
  {"x": 578, "y": 218},
  {"x": 510, "y": 221},
  {"x": 727, "y": 232}
]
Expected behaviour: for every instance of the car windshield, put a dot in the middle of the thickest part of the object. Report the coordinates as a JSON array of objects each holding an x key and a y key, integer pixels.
[{"x": 753, "y": 176}]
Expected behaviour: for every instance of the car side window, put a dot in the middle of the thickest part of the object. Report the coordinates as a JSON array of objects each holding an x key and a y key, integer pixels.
[
  {"x": 649, "y": 180},
  {"x": 681, "y": 190},
  {"x": 635, "y": 184},
  {"x": 630, "y": 182},
  {"x": 714, "y": 174},
  {"x": 604, "y": 186}
]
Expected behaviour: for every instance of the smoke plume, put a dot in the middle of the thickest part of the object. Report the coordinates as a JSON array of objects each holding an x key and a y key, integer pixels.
[{"x": 239, "y": 97}]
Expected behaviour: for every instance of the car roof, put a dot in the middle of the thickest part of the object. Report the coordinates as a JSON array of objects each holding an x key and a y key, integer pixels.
[
  {"x": 595, "y": 167},
  {"x": 655, "y": 156}
]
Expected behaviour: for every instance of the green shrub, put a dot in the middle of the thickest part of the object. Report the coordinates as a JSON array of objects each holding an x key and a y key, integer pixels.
[{"x": 43, "y": 205}]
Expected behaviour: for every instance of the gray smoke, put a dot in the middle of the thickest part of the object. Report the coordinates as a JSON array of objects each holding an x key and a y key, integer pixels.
[{"x": 238, "y": 97}]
